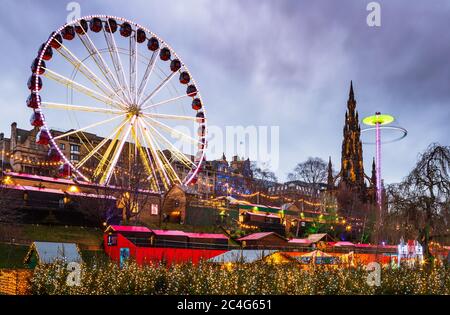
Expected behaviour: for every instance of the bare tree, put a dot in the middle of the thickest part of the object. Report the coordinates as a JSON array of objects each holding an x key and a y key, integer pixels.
[
  {"x": 312, "y": 171},
  {"x": 98, "y": 206},
  {"x": 420, "y": 204},
  {"x": 134, "y": 191},
  {"x": 352, "y": 206},
  {"x": 265, "y": 178},
  {"x": 127, "y": 196}
]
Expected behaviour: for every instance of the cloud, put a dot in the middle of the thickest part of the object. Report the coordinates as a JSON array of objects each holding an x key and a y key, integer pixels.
[{"x": 285, "y": 63}]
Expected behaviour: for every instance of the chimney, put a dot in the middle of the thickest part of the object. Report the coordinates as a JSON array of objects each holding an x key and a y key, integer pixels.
[{"x": 13, "y": 136}]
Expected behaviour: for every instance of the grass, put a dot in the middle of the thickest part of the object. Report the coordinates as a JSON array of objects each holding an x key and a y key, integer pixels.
[
  {"x": 84, "y": 237},
  {"x": 79, "y": 235}
]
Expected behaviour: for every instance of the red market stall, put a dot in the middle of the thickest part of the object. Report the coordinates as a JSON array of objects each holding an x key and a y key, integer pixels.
[{"x": 161, "y": 246}]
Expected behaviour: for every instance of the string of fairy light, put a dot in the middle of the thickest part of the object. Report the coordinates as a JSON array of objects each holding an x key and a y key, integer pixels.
[
  {"x": 36, "y": 162},
  {"x": 269, "y": 277},
  {"x": 15, "y": 157}
]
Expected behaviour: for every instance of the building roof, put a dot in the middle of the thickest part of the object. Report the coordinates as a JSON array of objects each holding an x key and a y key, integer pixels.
[
  {"x": 242, "y": 255},
  {"x": 48, "y": 252},
  {"x": 126, "y": 228},
  {"x": 258, "y": 236}
]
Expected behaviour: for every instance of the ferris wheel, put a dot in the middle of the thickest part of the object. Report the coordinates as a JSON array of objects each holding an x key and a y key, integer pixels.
[{"x": 120, "y": 98}]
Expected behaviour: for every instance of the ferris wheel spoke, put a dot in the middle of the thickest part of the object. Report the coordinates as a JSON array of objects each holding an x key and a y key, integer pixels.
[
  {"x": 87, "y": 127},
  {"x": 146, "y": 162},
  {"x": 170, "y": 117},
  {"x": 172, "y": 130},
  {"x": 107, "y": 175},
  {"x": 80, "y": 108},
  {"x": 133, "y": 67},
  {"x": 165, "y": 102},
  {"x": 155, "y": 157},
  {"x": 104, "y": 161},
  {"x": 80, "y": 88},
  {"x": 147, "y": 74},
  {"x": 169, "y": 166},
  {"x": 100, "y": 62},
  {"x": 160, "y": 168},
  {"x": 178, "y": 154},
  {"x": 101, "y": 144},
  {"x": 157, "y": 89},
  {"x": 147, "y": 157},
  {"x": 117, "y": 62},
  {"x": 87, "y": 72}
]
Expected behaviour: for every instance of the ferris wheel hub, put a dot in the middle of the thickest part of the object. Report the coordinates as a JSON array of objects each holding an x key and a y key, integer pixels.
[{"x": 134, "y": 110}]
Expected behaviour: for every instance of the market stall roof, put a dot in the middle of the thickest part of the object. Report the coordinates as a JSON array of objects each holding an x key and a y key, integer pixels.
[
  {"x": 256, "y": 207},
  {"x": 242, "y": 255},
  {"x": 319, "y": 237},
  {"x": 316, "y": 253},
  {"x": 125, "y": 228},
  {"x": 364, "y": 245},
  {"x": 169, "y": 233},
  {"x": 264, "y": 215},
  {"x": 143, "y": 229},
  {"x": 258, "y": 236},
  {"x": 48, "y": 252},
  {"x": 44, "y": 178},
  {"x": 206, "y": 235},
  {"x": 344, "y": 244},
  {"x": 47, "y": 190},
  {"x": 301, "y": 241},
  {"x": 71, "y": 193}
]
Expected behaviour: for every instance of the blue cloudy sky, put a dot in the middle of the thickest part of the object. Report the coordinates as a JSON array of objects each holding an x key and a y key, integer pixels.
[{"x": 285, "y": 63}]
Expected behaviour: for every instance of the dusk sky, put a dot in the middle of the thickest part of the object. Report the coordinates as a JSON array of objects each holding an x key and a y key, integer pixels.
[{"x": 279, "y": 63}]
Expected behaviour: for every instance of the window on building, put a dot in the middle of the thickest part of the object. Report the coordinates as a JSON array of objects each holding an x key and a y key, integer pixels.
[
  {"x": 62, "y": 146},
  {"x": 74, "y": 148},
  {"x": 112, "y": 240},
  {"x": 74, "y": 158},
  {"x": 154, "y": 209}
]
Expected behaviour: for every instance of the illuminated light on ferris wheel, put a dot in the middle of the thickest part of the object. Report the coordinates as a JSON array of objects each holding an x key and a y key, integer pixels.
[
  {"x": 111, "y": 77},
  {"x": 379, "y": 122}
]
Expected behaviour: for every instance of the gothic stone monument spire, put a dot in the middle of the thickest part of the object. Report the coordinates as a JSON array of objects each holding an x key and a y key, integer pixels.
[{"x": 352, "y": 169}]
